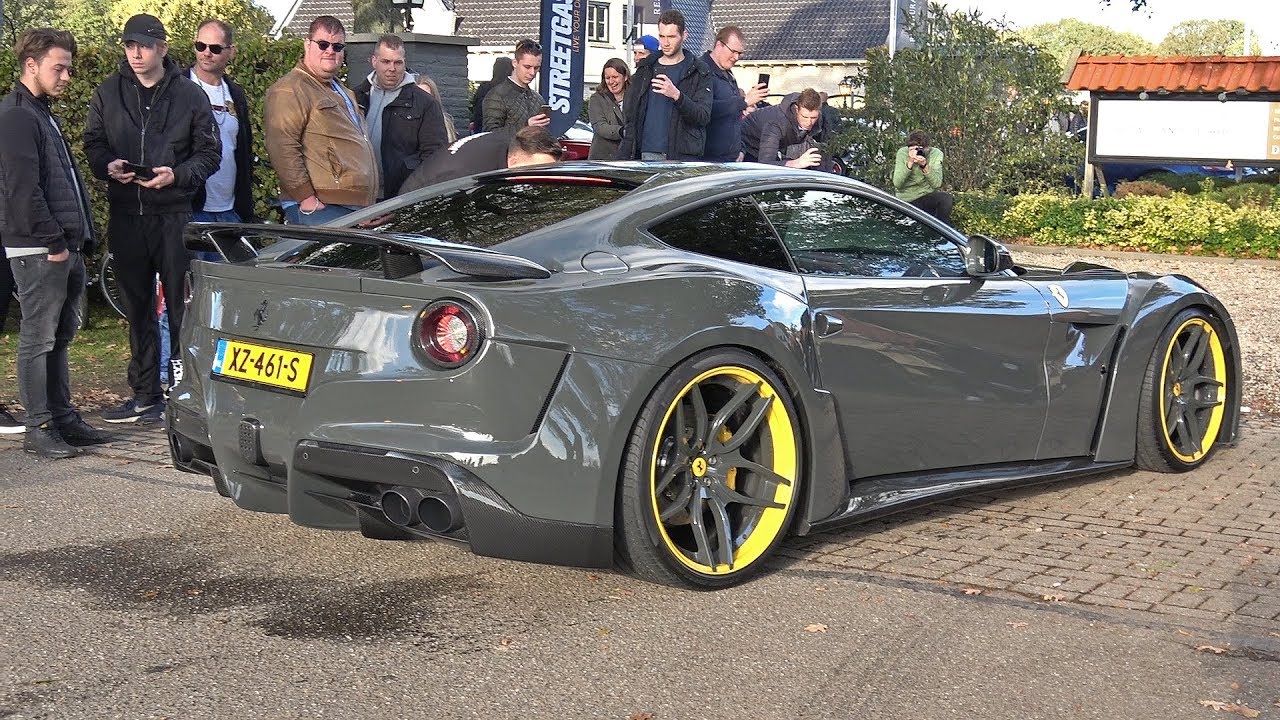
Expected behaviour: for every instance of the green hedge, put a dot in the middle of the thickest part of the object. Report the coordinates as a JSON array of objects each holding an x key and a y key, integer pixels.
[
  {"x": 1231, "y": 223},
  {"x": 259, "y": 63}
]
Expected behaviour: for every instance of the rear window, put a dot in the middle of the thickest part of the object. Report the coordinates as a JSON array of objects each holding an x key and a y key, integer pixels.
[{"x": 494, "y": 213}]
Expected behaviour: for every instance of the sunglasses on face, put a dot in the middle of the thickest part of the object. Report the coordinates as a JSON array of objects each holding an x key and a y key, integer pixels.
[
  {"x": 215, "y": 48},
  {"x": 324, "y": 46}
]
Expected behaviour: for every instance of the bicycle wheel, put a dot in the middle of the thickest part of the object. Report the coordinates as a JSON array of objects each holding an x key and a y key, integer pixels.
[{"x": 107, "y": 282}]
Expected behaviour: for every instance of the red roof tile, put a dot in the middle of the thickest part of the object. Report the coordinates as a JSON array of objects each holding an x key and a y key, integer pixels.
[{"x": 1120, "y": 73}]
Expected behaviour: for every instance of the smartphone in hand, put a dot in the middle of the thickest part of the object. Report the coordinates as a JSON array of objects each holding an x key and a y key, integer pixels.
[
  {"x": 546, "y": 110},
  {"x": 763, "y": 79},
  {"x": 141, "y": 172}
]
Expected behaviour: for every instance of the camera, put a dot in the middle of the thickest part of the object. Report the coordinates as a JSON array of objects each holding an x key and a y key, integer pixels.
[{"x": 922, "y": 153}]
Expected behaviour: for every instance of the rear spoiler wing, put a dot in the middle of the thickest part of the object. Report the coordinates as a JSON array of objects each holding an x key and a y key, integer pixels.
[{"x": 402, "y": 253}]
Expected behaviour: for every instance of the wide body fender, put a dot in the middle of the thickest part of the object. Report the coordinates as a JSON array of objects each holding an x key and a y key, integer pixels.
[{"x": 1153, "y": 303}]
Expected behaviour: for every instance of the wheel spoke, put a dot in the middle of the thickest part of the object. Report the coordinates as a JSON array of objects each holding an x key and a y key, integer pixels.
[
  {"x": 669, "y": 475},
  {"x": 1191, "y": 434},
  {"x": 748, "y": 428},
  {"x": 728, "y": 494},
  {"x": 1198, "y": 346},
  {"x": 737, "y": 461},
  {"x": 678, "y": 503},
  {"x": 738, "y": 400},
  {"x": 1173, "y": 416},
  {"x": 1177, "y": 363},
  {"x": 1199, "y": 404},
  {"x": 721, "y": 515},
  {"x": 699, "y": 416},
  {"x": 703, "y": 552}
]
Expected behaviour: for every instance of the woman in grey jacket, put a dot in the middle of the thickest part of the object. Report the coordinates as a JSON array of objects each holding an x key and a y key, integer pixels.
[{"x": 605, "y": 110}]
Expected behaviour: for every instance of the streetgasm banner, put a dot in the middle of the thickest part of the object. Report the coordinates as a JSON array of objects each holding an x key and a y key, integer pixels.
[{"x": 564, "y": 48}]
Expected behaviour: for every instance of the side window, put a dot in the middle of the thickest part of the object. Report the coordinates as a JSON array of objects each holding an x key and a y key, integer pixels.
[
  {"x": 830, "y": 233},
  {"x": 731, "y": 229}
]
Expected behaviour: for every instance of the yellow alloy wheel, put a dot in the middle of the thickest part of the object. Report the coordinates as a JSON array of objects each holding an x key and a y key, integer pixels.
[
  {"x": 722, "y": 471},
  {"x": 1193, "y": 390}
]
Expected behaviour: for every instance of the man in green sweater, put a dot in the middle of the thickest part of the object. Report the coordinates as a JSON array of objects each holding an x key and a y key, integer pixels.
[{"x": 917, "y": 175}]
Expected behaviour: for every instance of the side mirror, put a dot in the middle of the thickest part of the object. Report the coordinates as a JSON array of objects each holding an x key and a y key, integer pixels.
[{"x": 986, "y": 256}]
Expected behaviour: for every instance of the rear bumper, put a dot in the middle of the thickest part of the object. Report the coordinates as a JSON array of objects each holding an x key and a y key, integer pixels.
[{"x": 344, "y": 487}]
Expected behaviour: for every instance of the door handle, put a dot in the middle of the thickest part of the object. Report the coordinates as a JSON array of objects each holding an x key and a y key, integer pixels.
[{"x": 827, "y": 325}]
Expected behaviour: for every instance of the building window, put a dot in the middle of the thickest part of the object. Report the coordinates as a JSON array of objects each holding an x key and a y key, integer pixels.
[{"x": 598, "y": 22}]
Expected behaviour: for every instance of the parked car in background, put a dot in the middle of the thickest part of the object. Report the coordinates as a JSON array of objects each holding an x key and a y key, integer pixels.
[
  {"x": 576, "y": 141},
  {"x": 1118, "y": 172}
]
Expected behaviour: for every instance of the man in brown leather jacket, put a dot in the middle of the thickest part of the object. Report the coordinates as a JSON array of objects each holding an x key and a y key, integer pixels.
[{"x": 316, "y": 137}]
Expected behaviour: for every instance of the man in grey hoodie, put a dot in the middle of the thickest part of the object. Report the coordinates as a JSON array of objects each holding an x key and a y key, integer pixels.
[
  {"x": 405, "y": 123},
  {"x": 788, "y": 133}
]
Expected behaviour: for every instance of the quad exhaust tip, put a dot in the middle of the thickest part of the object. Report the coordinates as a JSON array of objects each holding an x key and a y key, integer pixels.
[{"x": 407, "y": 507}]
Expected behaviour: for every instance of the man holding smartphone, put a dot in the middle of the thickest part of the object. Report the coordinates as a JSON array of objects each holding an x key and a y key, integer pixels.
[
  {"x": 513, "y": 104},
  {"x": 151, "y": 133},
  {"x": 668, "y": 104},
  {"x": 729, "y": 106}
]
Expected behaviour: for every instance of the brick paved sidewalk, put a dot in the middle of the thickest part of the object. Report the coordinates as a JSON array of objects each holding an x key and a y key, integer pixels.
[{"x": 1204, "y": 545}]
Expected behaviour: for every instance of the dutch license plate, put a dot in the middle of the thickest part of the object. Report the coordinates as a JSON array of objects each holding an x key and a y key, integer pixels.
[{"x": 263, "y": 365}]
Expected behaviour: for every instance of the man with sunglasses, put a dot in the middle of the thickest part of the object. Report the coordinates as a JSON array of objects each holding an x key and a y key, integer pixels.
[
  {"x": 228, "y": 194},
  {"x": 513, "y": 104},
  {"x": 316, "y": 138},
  {"x": 151, "y": 133}
]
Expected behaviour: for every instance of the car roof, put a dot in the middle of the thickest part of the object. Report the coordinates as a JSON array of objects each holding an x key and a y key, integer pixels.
[{"x": 650, "y": 175}]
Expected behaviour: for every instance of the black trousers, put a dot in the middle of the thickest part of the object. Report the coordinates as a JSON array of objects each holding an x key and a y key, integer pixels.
[
  {"x": 937, "y": 204},
  {"x": 143, "y": 246}
]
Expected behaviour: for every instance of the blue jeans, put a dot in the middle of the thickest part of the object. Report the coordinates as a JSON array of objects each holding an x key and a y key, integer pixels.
[
  {"x": 226, "y": 216},
  {"x": 294, "y": 216},
  {"x": 49, "y": 293}
]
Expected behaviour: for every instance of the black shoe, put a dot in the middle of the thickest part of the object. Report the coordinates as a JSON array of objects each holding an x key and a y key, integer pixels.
[
  {"x": 131, "y": 411},
  {"x": 153, "y": 414},
  {"x": 79, "y": 433},
  {"x": 9, "y": 424},
  {"x": 46, "y": 442}
]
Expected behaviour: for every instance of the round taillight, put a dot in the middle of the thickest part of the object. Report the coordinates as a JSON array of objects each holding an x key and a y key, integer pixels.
[{"x": 448, "y": 334}]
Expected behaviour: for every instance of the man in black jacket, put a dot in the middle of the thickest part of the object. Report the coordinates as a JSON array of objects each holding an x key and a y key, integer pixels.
[
  {"x": 668, "y": 103},
  {"x": 47, "y": 228},
  {"x": 151, "y": 132},
  {"x": 787, "y": 133},
  {"x": 404, "y": 122}
]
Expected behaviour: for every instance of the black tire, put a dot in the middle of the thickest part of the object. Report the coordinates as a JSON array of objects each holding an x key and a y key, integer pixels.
[
  {"x": 107, "y": 282},
  {"x": 1185, "y": 394},
  {"x": 735, "y": 466}
]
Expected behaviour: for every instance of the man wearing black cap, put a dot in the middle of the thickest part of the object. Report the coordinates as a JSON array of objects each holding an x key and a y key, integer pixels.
[{"x": 151, "y": 132}]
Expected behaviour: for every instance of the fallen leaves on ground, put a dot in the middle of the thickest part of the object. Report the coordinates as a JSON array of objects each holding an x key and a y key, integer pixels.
[
  {"x": 815, "y": 628},
  {"x": 973, "y": 591},
  {"x": 1241, "y": 710},
  {"x": 641, "y": 716},
  {"x": 1210, "y": 648},
  {"x": 1052, "y": 597}
]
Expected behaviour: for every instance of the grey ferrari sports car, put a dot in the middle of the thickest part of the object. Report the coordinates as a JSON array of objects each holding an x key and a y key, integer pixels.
[{"x": 670, "y": 367}]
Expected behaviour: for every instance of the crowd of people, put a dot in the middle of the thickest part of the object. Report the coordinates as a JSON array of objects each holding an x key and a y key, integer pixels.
[{"x": 174, "y": 145}]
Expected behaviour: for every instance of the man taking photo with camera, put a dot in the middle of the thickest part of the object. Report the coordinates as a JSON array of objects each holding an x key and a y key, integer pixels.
[
  {"x": 787, "y": 133},
  {"x": 917, "y": 175}
]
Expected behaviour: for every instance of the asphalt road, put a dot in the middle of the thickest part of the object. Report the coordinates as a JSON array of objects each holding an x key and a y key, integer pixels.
[{"x": 132, "y": 591}]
